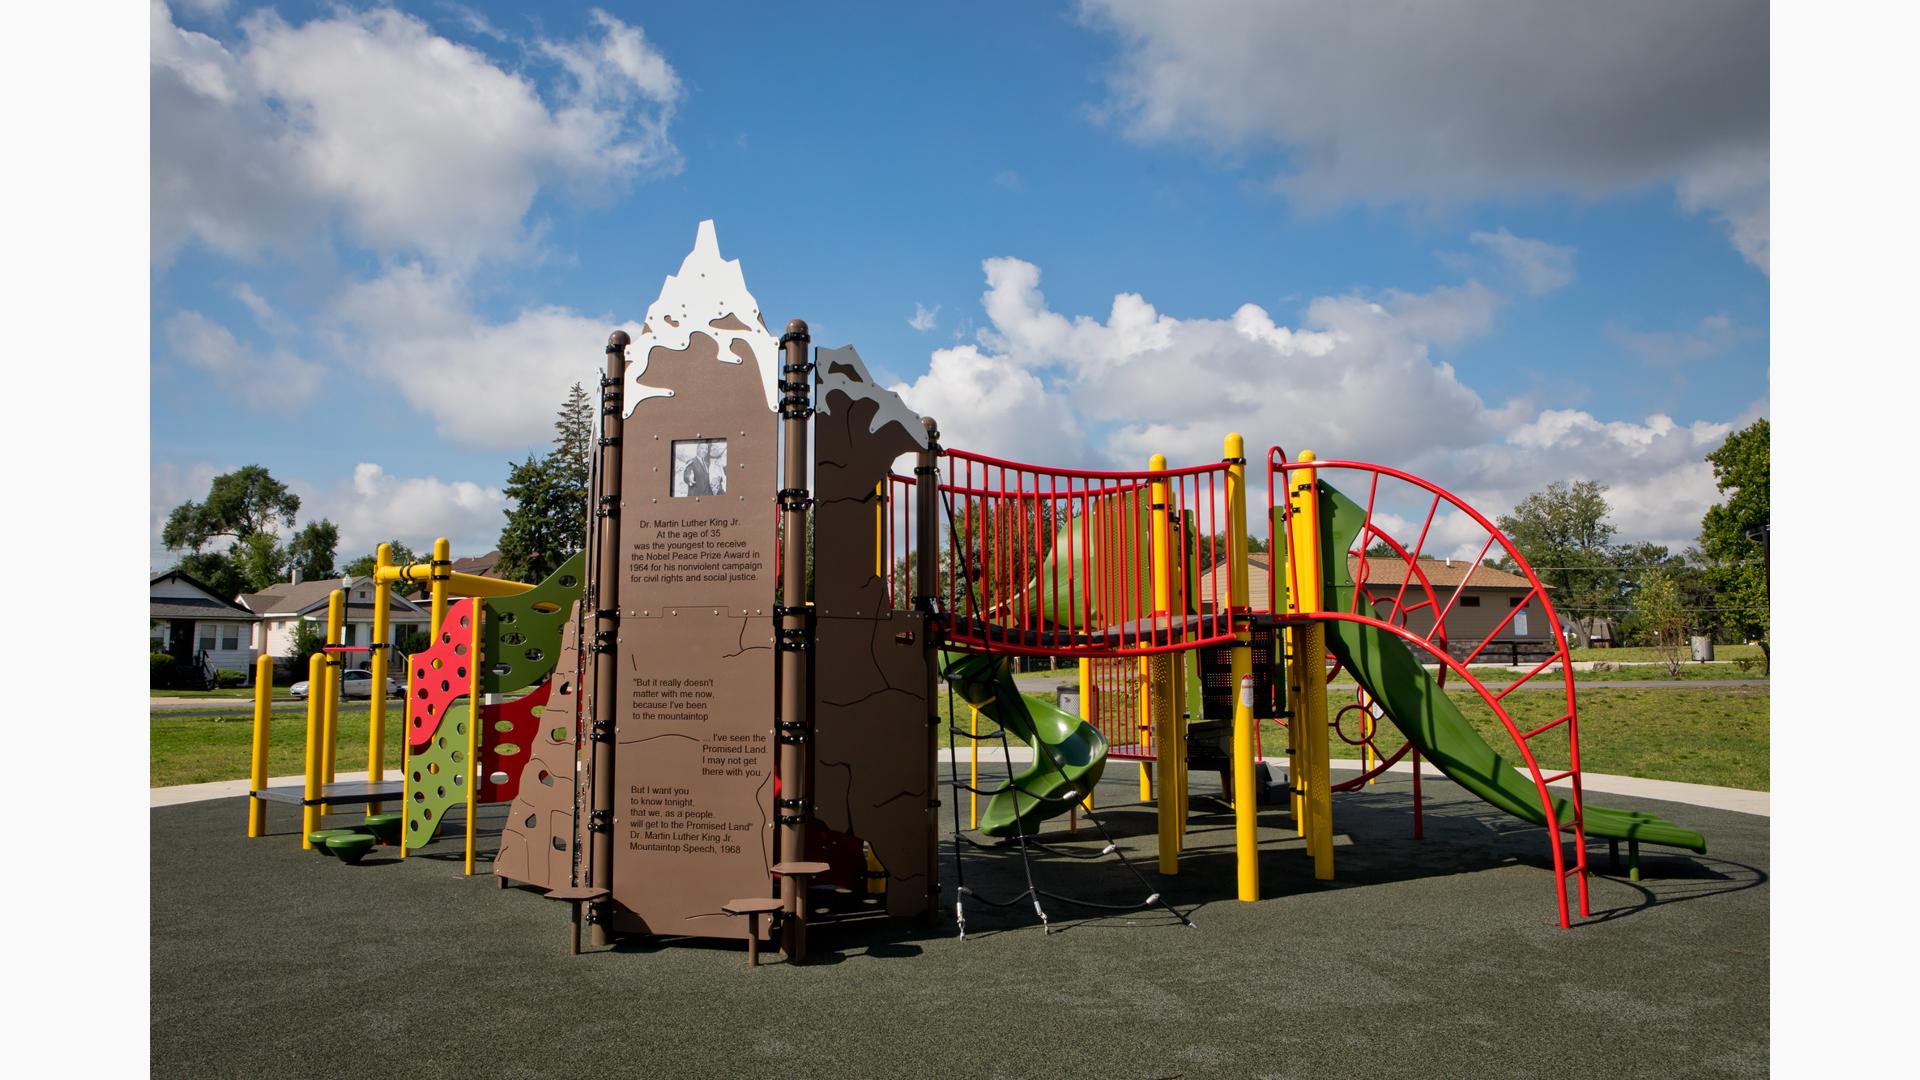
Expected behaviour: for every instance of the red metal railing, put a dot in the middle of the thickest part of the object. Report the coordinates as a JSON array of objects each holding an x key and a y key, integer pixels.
[
  {"x": 1378, "y": 555},
  {"x": 1058, "y": 562},
  {"x": 1115, "y": 709}
]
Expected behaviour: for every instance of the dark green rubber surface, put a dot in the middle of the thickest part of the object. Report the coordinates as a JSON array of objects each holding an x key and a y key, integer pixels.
[
  {"x": 1433, "y": 958},
  {"x": 1433, "y": 722}
]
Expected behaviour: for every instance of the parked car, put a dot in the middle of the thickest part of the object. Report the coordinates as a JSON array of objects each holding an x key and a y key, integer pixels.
[{"x": 354, "y": 683}]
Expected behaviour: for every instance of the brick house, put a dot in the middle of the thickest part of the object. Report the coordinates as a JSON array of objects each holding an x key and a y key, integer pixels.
[{"x": 1487, "y": 598}]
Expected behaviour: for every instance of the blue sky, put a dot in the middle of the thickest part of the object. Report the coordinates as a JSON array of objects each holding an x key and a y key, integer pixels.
[{"x": 1498, "y": 249}]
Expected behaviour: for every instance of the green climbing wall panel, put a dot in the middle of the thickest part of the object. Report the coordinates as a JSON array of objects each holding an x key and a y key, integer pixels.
[
  {"x": 520, "y": 635},
  {"x": 436, "y": 779}
]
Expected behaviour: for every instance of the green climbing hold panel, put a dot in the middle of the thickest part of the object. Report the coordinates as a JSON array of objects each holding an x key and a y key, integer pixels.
[
  {"x": 437, "y": 776},
  {"x": 520, "y": 635}
]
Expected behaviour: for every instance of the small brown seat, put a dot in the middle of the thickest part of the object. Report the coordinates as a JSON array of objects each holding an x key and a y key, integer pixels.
[
  {"x": 800, "y": 869},
  {"x": 752, "y": 907},
  {"x": 796, "y": 940},
  {"x": 579, "y": 896}
]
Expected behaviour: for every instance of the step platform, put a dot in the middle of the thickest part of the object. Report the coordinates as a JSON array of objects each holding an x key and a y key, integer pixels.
[{"x": 344, "y": 793}]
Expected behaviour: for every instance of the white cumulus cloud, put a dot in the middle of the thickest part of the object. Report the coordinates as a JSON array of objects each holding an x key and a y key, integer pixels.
[
  {"x": 1355, "y": 378},
  {"x": 485, "y": 384},
  {"x": 1446, "y": 103},
  {"x": 418, "y": 145},
  {"x": 373, "y": 506}
]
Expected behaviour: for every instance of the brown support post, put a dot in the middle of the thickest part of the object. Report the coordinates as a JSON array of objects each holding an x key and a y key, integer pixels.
[
  {"x": 926, "y": 588},
  {"x": 604, "y": 534},
  {"x": 794, "y": 730}
]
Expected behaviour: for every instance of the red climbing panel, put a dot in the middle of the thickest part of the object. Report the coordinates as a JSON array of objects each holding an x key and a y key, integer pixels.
[
  {"x": 440, "y": 674},
  {"x": 507, "y": 737}
]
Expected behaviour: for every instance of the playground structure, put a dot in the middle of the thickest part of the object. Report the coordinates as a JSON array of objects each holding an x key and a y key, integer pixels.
[
  {"x": 702, "y": 742},
  {"x": 487, "y": 637}
]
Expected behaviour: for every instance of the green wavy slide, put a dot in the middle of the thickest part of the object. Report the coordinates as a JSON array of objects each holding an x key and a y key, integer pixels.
[
  {"x": 1035, "y": 793},
  {"x": 1383, "y": 664}
]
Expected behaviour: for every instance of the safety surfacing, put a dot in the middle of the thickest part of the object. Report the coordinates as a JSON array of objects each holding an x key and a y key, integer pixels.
[{"x": 1435, "y": 957}]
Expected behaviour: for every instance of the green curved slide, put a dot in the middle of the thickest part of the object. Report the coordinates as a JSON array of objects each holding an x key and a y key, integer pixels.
[
  {"x": 1383, "y": 664},
  {"x": 1043, "y": 789}
]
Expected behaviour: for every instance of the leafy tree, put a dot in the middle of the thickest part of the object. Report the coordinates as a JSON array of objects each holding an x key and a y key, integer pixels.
[
  {"x": 1564, "y": 534},
  {"x": 1733, "y": 534},
  {"x": 400, "y": 553},
  {"x": 547, "y": 518},
  {"x": 309, "y": 637},
  {"x": 312, "y": 550},
  {"x": 259, "y": 560},
  {"x": 238, "y": 505},
  {"x": 218, "y": 570},
  {"x": 246, "y": 509},
  {"x": 1660, "y": 615}
]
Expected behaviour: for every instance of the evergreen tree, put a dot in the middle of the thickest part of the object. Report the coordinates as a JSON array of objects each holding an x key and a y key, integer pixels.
[{"x": 547, "y": 515}]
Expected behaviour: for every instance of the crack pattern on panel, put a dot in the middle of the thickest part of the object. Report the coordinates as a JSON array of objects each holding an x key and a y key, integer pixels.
[{"x": 873, "y": 743}]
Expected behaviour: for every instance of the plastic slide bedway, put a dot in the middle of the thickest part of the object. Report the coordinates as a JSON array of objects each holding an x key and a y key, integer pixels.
[
  {"x": 1416, "y": 703},
  {"x": 1068, "y": 753}
]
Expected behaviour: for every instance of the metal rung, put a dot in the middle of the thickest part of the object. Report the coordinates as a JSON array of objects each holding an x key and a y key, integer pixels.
[{"x": 1556, "y": 776}]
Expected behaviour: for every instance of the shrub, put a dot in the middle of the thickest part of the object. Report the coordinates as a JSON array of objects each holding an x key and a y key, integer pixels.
[
  {"x": 225, "y": 678},
  {"x": 162, "y": 670}
]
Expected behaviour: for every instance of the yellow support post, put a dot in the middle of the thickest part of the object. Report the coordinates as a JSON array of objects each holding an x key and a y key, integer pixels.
[
  {"x": 476, "y": 661},
  {"x": 377, "y": 703},
  {"x": 440, "y": 571},
  {"x": 1366, "y": 733},
  {"x": 1166, "y": 755},
  {"x": 1311, "y": 715},
  {"x": 1087, "y": 710},
  {"x": 330, "y": 707},
  {"x": 262, "y": 725},
  {"x": 1246, "y": 819},
  {"x": 316, "y": 723},
  {"x": 973, "y": 768}
]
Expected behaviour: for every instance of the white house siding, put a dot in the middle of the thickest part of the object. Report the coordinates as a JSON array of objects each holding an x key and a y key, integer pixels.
[
  {"x": 219, "y": 634},
  {"x": 278, "y": 631}
]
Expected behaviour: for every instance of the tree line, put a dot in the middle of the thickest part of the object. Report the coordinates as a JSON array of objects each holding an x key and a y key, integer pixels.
[{"x": 1654, "y": 595}]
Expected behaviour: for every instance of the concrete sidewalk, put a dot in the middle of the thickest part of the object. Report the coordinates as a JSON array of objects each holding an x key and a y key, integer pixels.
[{"x": 1736, "y": 800}]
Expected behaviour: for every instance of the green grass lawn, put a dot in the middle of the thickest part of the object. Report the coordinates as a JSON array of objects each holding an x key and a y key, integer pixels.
[
  {"x": 1716, "y": 735},
  {"x": 1713, "y": 735},
  {"x": 1638, "y": 655},
  {"x": 193, "y": 748},
  {"x": 1642, "y": 674}
]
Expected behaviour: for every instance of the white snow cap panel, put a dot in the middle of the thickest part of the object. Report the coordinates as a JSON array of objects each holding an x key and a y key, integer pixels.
[
  {"x": 842, "y": 370},
  {"x": 708, "y": 296}
]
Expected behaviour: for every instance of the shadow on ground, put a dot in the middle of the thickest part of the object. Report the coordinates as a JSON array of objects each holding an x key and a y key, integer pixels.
[{"x": 1432, "y": 957}]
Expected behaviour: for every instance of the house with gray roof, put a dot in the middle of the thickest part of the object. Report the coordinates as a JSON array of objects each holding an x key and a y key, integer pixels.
[
  {"x": 281, "y": 607},
  {"x": 198, "y": 627}
]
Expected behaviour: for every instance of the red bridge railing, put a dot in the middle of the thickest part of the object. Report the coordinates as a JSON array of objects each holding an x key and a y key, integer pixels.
[{"x": 1060, "y": 562}]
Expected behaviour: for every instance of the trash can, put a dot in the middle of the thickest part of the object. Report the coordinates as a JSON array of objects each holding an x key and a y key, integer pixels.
[
  {"x": 1066, "y": 697},
  {"x": 1702, "y": 647}
]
